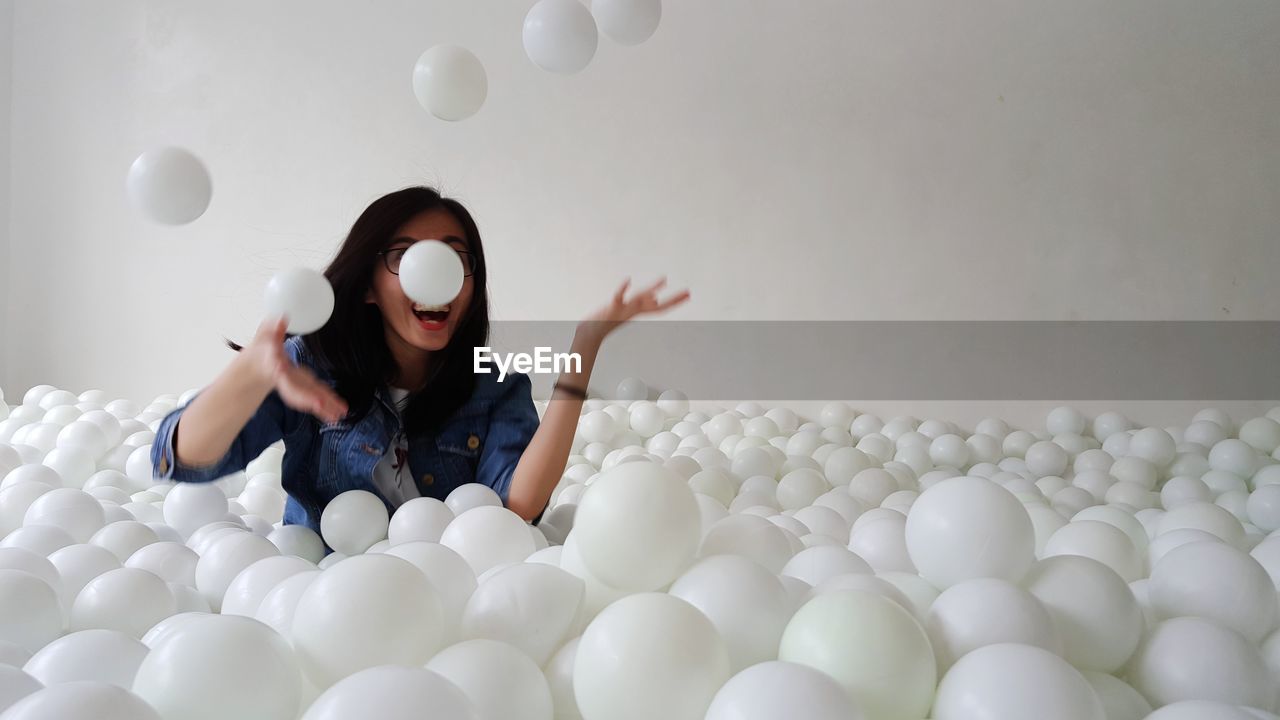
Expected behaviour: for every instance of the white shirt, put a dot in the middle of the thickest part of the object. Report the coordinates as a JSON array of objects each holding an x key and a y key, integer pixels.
[{"x": 392, "y": 476}]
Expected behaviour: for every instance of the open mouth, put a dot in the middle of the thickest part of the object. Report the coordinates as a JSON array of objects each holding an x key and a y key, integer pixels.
[{"x": 431, "y": 317}]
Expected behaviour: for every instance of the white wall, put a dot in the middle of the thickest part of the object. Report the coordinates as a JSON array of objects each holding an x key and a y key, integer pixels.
[
  {"x": 6, "y": 107},
  {"x": 830, "y": 159}
]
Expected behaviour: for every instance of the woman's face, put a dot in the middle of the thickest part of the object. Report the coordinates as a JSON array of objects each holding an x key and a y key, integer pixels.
[{"x": 413, "y": 333}]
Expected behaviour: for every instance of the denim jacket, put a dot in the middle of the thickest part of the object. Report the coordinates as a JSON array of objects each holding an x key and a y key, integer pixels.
[{"x": 481, "y": 442}]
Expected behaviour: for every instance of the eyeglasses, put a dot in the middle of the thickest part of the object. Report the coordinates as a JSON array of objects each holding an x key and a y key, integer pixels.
[{"x": 393, "y": 256}]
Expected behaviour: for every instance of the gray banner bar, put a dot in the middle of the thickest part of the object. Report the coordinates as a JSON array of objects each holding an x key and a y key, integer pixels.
[{"x": 926, "y": 360}]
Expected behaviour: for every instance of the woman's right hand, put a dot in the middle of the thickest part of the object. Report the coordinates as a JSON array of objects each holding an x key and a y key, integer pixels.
[{"x": 297, "y": 386}]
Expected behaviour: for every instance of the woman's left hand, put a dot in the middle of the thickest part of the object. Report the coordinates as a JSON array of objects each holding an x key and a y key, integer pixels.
[{"x": 622, "y": 309}]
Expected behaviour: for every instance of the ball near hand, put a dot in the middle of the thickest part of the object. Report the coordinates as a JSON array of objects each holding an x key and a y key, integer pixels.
[{"x": 303, "y": 296}]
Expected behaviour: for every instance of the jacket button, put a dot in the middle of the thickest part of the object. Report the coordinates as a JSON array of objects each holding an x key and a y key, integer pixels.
[
  {"x": 473, "y": 442},
  {"x": 428, "y": 479}
]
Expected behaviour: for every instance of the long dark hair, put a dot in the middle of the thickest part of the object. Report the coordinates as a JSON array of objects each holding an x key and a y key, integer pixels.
[{"x": 352, "y": 345}]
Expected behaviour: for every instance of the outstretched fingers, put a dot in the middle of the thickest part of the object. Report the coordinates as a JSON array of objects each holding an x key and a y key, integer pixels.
[
  {"x": 618, "y": 297},
  {"x": 672, "y": 301},
  {"x": 655, "y": 287}
]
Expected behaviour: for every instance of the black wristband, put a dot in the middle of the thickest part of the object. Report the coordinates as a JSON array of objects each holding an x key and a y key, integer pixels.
[{"x": 575, "y": 392}]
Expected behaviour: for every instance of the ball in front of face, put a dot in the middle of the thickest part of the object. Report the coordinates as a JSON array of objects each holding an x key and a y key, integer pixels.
[{"x": 431, "y": 273}]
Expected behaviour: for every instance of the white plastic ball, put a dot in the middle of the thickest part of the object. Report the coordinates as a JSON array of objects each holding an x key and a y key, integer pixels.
[
  {"x": 77, "y": 565},
  {"x": 169, "y": 185},
  {"x": 883, "y": 543},
  {"x": 1262, "y": 434},
  {"x": 1203, "y": 516},
  {"x": 263, "y": 501},
  {"x": 500, "y": 681},
  {"x": 245, "y": 593},
  {"x": 1154, "y": 445},
  {"x": 560, "y": 36},
  {"x": 1191, "y": 658},
  {"x": 74, "y": 511},
  {"x": 221, "y": 666},
  {"x": 392, "y": 692},
  {"x": 800, "y": 488},
  {"x": 36, "y": 394},
  {"x": 33, "y": 473},
  {"x": 987, "y": 611},
  {"x": 870, "y": 645},
  {"x": 632, "y": 389},
  {"x": 639, "y": 526},
  {"x": 139, "y": 469},
  {"x": 745, "y": 602},
  {"x": 597, "y": 426},
  {"x": 431, "y": 272},
  {"x": 1234, "y": 456},
  {"x": 627, "y": 22},
  {"x": 303, "y": 296},
  {"x": 42, "y": 436},
  {"x": 749, "y": 536},
  {"x": 1216, "y": 581},
  {"x": 450, "y": 82},
  {"x": 81, "y": 700},
  {"x": 353, "y": 521},
  {"x": 191, "y": 506},
  {"x": 1109, "y": 423},
  {"x": 1096, "y": 614},
  {"x": 87, "y": 436},
  {"x": 965, "y": 528},
  {"x": 844, "y": 463},
  {"x": 40, "y": 539},
  {"x": 489, "y": 536},
  {"x": 950, "y": 450},
  {"x": 32, "y": 616},
  {"x": 225, "y": 559},
  {"x": 420, "y": 519},
  {"x": 1046, "y": 458},
  {"x": 471, "y": 495},
  {"x": 107, "y": 656},
  {"x": 365, "y": 611},
  {"x": 1099, "y": 541},
  {"x": 1182, "y": 489},
  {"x": 126, "y": 599},
  {"x": 1119, "y": 700},
  {"x": 1065, "y": 420},
  {"x": 673, "y": 403},
  {"x": 777, "y": 689},
  {"x": 1016, "y": 443},
  {"x": 649, "y": 655},
  {"x": 1013, "y": 682},
  {"x": 527, "y": 606},
  {"x": 172, "y": 562},
  {"x": 279, "y": 605},
  {"x": 646, "y": 419},
  {"x": 1204, "y": 433},
  {"x": 15, "y": 684},
  {"x": 1264, "y": 508}
]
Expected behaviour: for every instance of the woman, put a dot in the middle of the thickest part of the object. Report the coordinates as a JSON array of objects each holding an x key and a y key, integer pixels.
[{"x": 384, "y": 397}]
